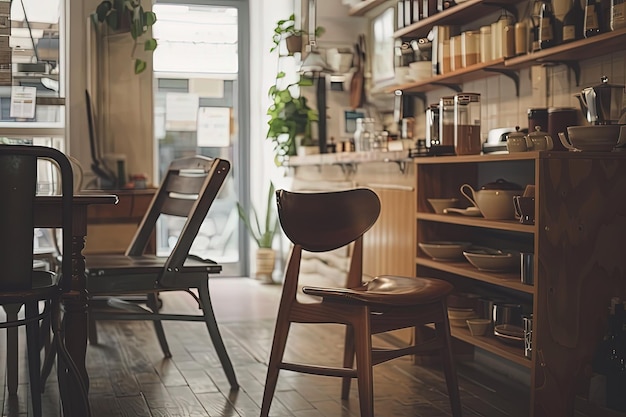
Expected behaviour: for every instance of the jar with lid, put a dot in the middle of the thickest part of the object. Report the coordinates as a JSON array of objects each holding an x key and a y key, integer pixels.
[
  {"x": 364, "y": 134},
  {"x": 446, "y": 121},
  {"x": 467, "y": 124},
  {"x": 432, "y": 126}
]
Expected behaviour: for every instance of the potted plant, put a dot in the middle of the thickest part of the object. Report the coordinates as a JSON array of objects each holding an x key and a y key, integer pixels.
[
  {"x": 286, "y": 30},
  {"x": 128, "y": 15},
  {"x": 263, "y": 234},
  {"x": 290, "y": 117}
]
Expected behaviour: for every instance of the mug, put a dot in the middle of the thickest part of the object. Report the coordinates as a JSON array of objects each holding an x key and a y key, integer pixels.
[
  {"x": 524, "y": 209},
  {"x": 527, "y": 266}
]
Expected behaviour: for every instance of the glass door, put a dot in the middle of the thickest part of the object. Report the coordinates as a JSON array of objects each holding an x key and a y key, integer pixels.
[{"x": 199, "y": 96}]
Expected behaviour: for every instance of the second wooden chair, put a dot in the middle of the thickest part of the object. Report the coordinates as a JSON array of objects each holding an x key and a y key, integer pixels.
[{"x": 320, "y": 222}]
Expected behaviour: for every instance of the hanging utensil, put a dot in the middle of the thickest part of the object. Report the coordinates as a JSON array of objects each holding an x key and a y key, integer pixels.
[{"x": 357, "y": 84}]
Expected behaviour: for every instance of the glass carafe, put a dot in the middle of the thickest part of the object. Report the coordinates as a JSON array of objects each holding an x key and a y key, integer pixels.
[
  {"x": 364, "y": 134},
  {"x": 467, "y": 124},
  {"x": 446, "y": 121}
]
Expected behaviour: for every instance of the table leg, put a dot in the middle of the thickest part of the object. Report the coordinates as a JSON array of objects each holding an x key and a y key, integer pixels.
[{"x": 75, "y": 305}]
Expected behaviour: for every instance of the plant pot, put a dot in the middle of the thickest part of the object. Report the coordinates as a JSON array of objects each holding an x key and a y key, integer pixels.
[
  {"x": 265, "y": 261},
  {"x": 294, "y": 44}
]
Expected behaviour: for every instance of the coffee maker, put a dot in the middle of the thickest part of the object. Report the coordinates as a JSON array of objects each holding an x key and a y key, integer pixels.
[{"x": 603, "y": 104}]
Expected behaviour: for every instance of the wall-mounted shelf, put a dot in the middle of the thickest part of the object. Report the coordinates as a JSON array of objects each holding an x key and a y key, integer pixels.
[
  {"x": 460, "y": 14},
  {"x": 365, "y": 6}
]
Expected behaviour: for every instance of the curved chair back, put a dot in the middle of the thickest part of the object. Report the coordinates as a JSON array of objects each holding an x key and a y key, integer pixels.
[{"x": 325, "y": 221}]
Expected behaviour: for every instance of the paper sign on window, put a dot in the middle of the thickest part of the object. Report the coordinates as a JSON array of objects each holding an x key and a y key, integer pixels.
[{"x": 214, "y": 126}]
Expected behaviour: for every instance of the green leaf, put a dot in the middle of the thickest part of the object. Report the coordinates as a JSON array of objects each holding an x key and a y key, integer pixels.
[
  {"x": 150, "y": 44},
  {"x": 112, "y": 20},
  {"x": 149, "y": 18},
  {"x": 140, "y": 66},
  {"x": 103, "y": 9}
]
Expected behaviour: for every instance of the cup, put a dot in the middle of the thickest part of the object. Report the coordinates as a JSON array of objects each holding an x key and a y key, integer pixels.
[
  {"x": 528, "y": 336},
  {"x": 524, "y": 209},
  {"x": 527, "y": 260}
]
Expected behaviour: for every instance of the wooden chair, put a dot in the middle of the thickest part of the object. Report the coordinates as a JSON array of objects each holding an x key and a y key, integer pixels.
[
  {"x": 20, "y": 285},
  {"x": 188, "y": 190},
  {"x": 319, "y": 222}
]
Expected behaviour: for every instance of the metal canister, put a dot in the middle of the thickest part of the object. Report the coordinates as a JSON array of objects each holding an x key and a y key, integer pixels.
[{"x": 432, "y": 126}]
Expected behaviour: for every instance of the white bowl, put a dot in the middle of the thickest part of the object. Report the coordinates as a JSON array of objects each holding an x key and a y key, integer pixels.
[
  {"x": 444, "y": 250},
  {"x": 439, "y": 204},
  {"x": 478, "y": 327},
  {"x": 493, "y": 260},
  {"x": 596, "y": 138}
]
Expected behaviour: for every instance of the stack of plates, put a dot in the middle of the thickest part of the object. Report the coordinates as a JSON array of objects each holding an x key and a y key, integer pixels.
[
  {"x": 458, "y": 316},
  {"x": 509, "y": 333}
]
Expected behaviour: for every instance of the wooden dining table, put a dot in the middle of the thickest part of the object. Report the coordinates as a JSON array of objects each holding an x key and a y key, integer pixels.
[{"x": 75, "y": 302}]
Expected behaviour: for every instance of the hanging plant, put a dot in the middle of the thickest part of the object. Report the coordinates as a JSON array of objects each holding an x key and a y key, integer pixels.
[{"x": 128, "y": 15}]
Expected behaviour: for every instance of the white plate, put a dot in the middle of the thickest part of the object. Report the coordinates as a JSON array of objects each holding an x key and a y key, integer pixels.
[{"x": 470, "y": 211}]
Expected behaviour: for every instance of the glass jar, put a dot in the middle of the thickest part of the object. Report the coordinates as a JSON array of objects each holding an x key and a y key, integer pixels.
[
  {"x": 446, "y": 121},
  {"x": 432, "y": 126},
  {"x": 467, "y": 124},
  {"x": 364, "y": 134}
]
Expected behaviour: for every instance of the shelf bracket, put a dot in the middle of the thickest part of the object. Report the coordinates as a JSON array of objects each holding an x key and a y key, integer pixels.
[
  {"x": 513, "y": 75},
  {"x": 402, "y": 165},
  {"x": 348, "y": 168},
  {"x": 454, "y": 87}
]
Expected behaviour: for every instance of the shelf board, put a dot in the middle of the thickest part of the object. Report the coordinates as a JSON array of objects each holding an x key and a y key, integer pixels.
[
  {"x": 364, "y": 6},
  {"x": 459, "y": 14},
  {"x": 508, "y": 225},
  {"x": 602, "y": 44},
  {"x": 462, "y": 159},
  {"x": 462, "y": 268},
  {"x": 492, "y": 344},
  {"x": 464, "y": 75}
]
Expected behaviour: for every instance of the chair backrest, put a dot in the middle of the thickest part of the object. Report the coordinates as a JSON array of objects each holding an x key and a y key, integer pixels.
[
  {"x": 320, "y": 222},
  {"x": 188, "y": 190},
  {"x": 18, "y": 187}
]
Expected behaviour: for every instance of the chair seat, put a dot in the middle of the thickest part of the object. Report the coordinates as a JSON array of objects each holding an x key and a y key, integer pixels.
[
  {"x": 44, "y": 285},
  {"x": 113, "y": 273},
  {"x": 389, "y": 290}
]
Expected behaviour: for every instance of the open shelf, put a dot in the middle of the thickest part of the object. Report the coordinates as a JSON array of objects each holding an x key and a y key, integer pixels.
[
  {"x": 490, "y": 343},
  {"x": 459, "y": 14},
  {"x": 463, "y": 268},
  {"x": 360, "y": 9},
  {"x": 508, "y": 225}
]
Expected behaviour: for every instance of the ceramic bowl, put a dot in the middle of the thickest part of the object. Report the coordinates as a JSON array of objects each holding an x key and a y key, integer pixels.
[
  {"x": 487, "y": 259},
  {"x": 596, "y": 138},
  {"x": 444, "y": 250},
  {"x": 439, "y": 204},
  {"x": 478, "y": 327}
]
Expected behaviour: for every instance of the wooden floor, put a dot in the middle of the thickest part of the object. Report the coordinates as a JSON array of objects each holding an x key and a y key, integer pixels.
[{"x": 129, "y": 376}]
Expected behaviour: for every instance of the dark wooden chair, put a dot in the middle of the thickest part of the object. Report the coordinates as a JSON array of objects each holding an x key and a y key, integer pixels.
[
  {"x": 320, "y": 222},
  {"x": 20, "y": 285},
  {"x": 189, "y": 188}
]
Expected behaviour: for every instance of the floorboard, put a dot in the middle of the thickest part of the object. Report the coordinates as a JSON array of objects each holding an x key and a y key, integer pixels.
[{"x": 129, "y": 376}]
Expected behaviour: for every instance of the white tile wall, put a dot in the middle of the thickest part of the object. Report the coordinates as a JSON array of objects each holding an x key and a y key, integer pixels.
[{"x": 540, "y": 86}]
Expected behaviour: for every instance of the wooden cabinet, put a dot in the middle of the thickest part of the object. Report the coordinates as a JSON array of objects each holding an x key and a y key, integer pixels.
[
  {"x": 578, "y": 258},
  {"x": 111, "y": 227}
]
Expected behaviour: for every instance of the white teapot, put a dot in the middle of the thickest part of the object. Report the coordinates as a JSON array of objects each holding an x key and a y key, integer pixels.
[{"x": 495, "y": 199}]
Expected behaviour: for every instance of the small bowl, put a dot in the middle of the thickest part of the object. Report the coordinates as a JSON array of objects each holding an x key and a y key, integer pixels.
[
  {"x": 444, "y": 251},
  {"x": 492, "y": 260},
  {"x": 600, "y": 138},
  {"x": 478, "y": 327},
  {"x": 439, "y": 204}
]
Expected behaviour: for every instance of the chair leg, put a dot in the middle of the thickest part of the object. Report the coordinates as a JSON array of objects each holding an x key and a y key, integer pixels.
[
  {"x": 276, "y": 357},
  {"x": 65, "y": 365},
  {"x": 364, "y": 371},
  {"x": 33, "y": 348},
  {"x": 12, "y": 355},
  {"x": 153, "y": 304},
  {"x": 214, "y": 333},
  {"x": 92, "y": 330},
  {"x": 443, "y": 330},
  {"x": 348, "y": 361}
]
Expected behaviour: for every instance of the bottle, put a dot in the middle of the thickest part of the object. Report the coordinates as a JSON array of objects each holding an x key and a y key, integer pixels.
[
  {"x": 593, "y": 17},
  {"x": 573, "y": 23},
  {"x": 546, "y": 25},
  {"x": 363, "y": 134},
  {"x": 618, "y": 14},
  {"x": 534, "y": 27}
]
